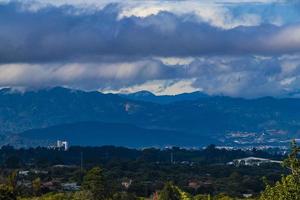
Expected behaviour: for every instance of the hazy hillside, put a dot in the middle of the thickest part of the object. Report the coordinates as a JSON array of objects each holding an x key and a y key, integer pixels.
[
  {"x": 98, "y": 133},
  {"x": 208, "y": 117}
]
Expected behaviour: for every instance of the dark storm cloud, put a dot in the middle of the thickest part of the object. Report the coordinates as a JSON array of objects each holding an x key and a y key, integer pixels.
[
  {"x": 67, "y": 33},
  {"x": 91, "y": 48}
]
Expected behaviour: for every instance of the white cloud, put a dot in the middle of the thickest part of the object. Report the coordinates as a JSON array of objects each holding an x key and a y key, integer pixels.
[
  {"x": 159, "y": 87},
  {"x": 83, "y": 75},
  {"x": 288, "y": 37},
  {"x": 217, "y": 13},
  {"x": 214, "y": 14},
  {"x": 245, "y": 76},
  {"x": 175, "y": 60}
]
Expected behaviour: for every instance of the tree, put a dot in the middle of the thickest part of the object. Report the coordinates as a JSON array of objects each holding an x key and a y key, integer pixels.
[
  {"x": 6, "y": 193},
  {"x": 52, "y": 196},
  {"x": 169, "y": 192},
  {"x": 36, "y": 186},
  {"x": 124, "y": 196},
  {"x": 289, "y": 186},
  {"x": 86, "y": 195},
  {"x": 172, "y": 192},
  {"x": 93, "y": 181},
  {"x": 293, "y": 162},
  {"x": 222, "y": 197},
  {"x": 202, "y": 197},
  {"x": 12, "y": 162},
  {"x": 12, "y": 181}
]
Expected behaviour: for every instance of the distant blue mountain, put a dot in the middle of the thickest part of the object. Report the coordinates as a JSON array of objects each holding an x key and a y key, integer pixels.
[
  {"x": 200, "y": 119},
  {"x": 99, "y": 133},
  {"x": 164, "y": 99}
]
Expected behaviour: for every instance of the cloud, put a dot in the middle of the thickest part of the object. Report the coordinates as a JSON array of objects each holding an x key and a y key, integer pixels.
[
  {"x": 248, "y": 76},
  {"x": 215, "y": 15},
  {"x": 240, "y": 76},
  {"x": 67, "y": 33},
  {"x": 159, "y": 87},
  {"x": 85, "y": 76},
  {"x": 221, "y": 47}
]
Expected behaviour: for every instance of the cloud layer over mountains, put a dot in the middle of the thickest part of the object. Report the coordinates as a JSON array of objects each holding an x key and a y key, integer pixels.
[{"x": 238, "y": 49}]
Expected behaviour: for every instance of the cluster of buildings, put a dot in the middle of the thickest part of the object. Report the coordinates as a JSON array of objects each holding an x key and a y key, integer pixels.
[
  {"x": 55, "y": 184},
  {"x": 60, "y": 145}
]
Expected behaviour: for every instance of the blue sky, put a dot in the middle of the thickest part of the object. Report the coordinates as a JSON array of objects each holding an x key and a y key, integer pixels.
[{"x": 236, "y": 48}]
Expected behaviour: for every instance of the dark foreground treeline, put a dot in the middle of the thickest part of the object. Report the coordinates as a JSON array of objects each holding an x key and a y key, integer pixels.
[
  {"x": 91, "y": 156},
  {"x": 137, "y": 172}
]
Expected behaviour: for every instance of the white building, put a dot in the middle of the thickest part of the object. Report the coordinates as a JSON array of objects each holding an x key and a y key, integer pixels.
[
  {"x": 252, "y": 161},
  {"x": 24, "y": 172},
  {"x": 62, "y": 145},
  {"x": 70, "y": 186}
]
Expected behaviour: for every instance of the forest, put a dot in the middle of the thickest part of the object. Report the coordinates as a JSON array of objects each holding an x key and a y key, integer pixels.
[{"x": 111, "y": 173}]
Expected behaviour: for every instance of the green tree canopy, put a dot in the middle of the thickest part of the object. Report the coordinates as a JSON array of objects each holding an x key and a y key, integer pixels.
[
  {"x": 86, "y": 195},
  {"x": 124, "y": 196},
  {"x": 288, "y": 188},
  {"x": 36, "y": 186},
  {"x": 93, "y": 181},
  {"x": 6, "y": 193},
  {"x": 172, "y": 192},
  {"x": 169, "y": 192}
]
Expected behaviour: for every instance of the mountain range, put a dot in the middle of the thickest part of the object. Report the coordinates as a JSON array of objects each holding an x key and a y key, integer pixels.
[
  {"x": 93, "y": 118},
  {"x": 99, "y": 133},
  {"x": 164, "y": 99}
]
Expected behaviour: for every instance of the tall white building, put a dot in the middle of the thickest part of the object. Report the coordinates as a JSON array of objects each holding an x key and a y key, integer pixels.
[{"x": 62, "y": 145}]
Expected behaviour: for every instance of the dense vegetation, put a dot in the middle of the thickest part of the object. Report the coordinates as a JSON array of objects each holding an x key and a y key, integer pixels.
[{"x": 119, "y": 173}]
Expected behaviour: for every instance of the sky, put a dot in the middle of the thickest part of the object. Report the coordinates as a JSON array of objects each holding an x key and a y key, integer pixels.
[{"x": 246, "y": 48}]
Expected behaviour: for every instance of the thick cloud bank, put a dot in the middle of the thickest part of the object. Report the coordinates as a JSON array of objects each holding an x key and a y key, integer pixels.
[
  {"x": 62, "y": 33},
  {"x": 246, "y": 76},
  {"x": 239, "y": 50}
]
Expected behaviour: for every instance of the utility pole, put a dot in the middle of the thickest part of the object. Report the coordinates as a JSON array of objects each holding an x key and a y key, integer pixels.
[
  {"x": 81, "y": 162},
  {"x": 81, "y": 166}
]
